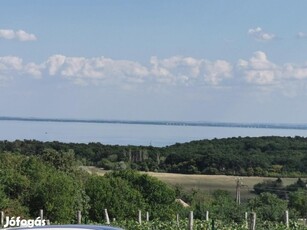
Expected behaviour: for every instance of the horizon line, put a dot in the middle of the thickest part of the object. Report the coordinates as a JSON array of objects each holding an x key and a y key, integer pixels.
[{"x": 164, "y": 122}]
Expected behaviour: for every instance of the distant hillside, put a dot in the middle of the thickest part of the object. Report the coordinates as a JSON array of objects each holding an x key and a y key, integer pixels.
[
  {"x": 251, "y": 156},
  {"x": 248, "y": 156}
]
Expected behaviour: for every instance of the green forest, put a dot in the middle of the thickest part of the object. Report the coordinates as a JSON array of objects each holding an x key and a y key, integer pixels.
[
  {"x": 248, "y": 156},
  {"x": 38, "y": 175}
]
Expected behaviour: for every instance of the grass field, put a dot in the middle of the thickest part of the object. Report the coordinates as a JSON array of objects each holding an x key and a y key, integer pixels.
[{"x": 206, "y": 183}]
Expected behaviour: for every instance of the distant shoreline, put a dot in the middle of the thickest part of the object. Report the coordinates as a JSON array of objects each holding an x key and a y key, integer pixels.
[{"x": 164, "y": 123}]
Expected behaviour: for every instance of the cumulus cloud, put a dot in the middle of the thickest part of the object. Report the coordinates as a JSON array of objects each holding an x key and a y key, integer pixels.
[
  {"x": 217, "y": 71},
  {"x": 81, "y": 69},
  {"x": 260, "y": 35},
  {"x": 295, "y": 72},
  {"x": 259, "y": 70},
  {"x": 7, "y": 34},
  {"x": 188, "y": 70},
  {"x": 54, "y": 63},
  {"x": 14, "y": 66},
  {"x": 173, "y": 70},
  {"x": 24, "y": 36},
  {"x": 8, "y": 63},
  {"x": 33, "y": 69},
  {"x": 20, "y": 35}
]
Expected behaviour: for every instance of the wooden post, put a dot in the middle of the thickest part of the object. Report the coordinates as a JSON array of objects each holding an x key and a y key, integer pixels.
[
  {"x": 190, "y": 227},
  {"x": 1, "y": 219},
  {"x": 287, "y": 218},
  {"x": 212, "y": 225},
  {"x": 106, "y": 215},
  {"x": 140, "y": 217},
  {"x": 147, "y": 216},
  {"x": 246, "y": 219},
  {"x": 252, "y": 221},
  {"x": 41, "y": 214},
  {"x": 79, "y": 217},
  {"x": 177, "y": 219},
  {"x": 207, "y": 215}
]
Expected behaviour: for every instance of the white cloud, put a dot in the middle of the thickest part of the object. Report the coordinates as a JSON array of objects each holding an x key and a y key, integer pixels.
[
  {"x": 217, "y": 71},
  {"x": 295, "y": 72},
  {"x": 33, "y": 70},
  {"x": 24, "y": 36},
  {"x": 259, "y": 70},
  {"x": 188, "y": 70},
  {"x": 54, "y": 63},
  {"x": 84, "y": 70},
  {"x": 7, "y": 34},
  {"x": 13, "y": 66},
  {"x": 260, "y": 35},
  {"x": 80, "y": 70},
  {"x": 20, "y": 35},
  {"x": 288, "y": 79},
  {"x": 10, "y": 63}
]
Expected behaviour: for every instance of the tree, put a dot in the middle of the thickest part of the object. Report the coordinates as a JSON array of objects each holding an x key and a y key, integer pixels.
[
  {"x": 268, "y": 206},
  {"x": 114, "y": 194},
  {"x": 159, "y": 197},
  {"x": 3, "y": 199},
  {"x": 298, "y": 201},
  {"x": 59, "y": 195},
  {"x": 271, "y": 186},
  {"x": 64, "y": 161},
  {"x": 221, "y": 205}
]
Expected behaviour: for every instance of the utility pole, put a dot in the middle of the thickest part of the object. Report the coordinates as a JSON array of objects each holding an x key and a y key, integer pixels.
[
  {"x": 239, "y": 185},
  {"x": 238, "y": 190}
]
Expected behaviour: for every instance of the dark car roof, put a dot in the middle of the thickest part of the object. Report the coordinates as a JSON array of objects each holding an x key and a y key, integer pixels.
[{"x": 71, "y": 227}]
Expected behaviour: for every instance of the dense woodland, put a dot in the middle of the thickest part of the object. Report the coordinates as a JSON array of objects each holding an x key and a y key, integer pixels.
[
  {"x": 36, "y": 175},
  {"x": 248, "y": 156}
]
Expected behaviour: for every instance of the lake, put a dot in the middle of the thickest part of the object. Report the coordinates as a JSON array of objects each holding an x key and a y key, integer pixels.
[{"x": 127, "y": 134}]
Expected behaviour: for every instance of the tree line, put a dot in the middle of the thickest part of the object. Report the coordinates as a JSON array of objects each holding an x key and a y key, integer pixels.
[
  {"x": 60, "y": 187},
  {"x": 243, "y": 156},
  {"x": 52, "y": 179}
]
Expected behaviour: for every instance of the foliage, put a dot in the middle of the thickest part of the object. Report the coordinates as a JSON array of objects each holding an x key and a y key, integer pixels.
[
  {"x": 3, "y": 199},
  {"x": 36, "y": 175},
  {"x": 203, "y": 225},
  {"x": 58, "y": 195},
  {"x": 272, "y": 186},
  {"x": 268, "y": 207},
  {"x": 298, "y": 201},
  {"x": 159, "y": 197},
  {"x": 114, "y": 194},
  {"x": 248, "y": 156}
]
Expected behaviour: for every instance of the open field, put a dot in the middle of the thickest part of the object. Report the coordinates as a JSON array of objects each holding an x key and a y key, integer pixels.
[
  {"x": 206, "y": 183},
  {"x": 209, "y": 183}
]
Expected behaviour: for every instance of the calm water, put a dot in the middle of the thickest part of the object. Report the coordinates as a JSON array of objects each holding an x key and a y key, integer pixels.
[{"x": 127, "y": 134}]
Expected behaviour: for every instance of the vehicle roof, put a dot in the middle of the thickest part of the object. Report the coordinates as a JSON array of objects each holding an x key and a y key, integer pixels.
[{"x": 70, "y": 227}]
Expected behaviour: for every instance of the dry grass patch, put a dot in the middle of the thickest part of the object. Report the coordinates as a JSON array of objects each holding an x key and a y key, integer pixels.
[{"x": 205, "y": 183}]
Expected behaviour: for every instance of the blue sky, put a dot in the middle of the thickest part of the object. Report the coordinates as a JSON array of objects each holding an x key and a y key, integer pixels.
[{"x": 237, "y": 61}]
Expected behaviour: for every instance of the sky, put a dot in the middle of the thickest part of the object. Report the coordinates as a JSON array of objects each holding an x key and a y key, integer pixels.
[{"x": 196, "y": 60}]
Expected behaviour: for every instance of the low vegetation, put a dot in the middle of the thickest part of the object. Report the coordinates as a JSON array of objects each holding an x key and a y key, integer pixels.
[{"x": 49, "y": 176}]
